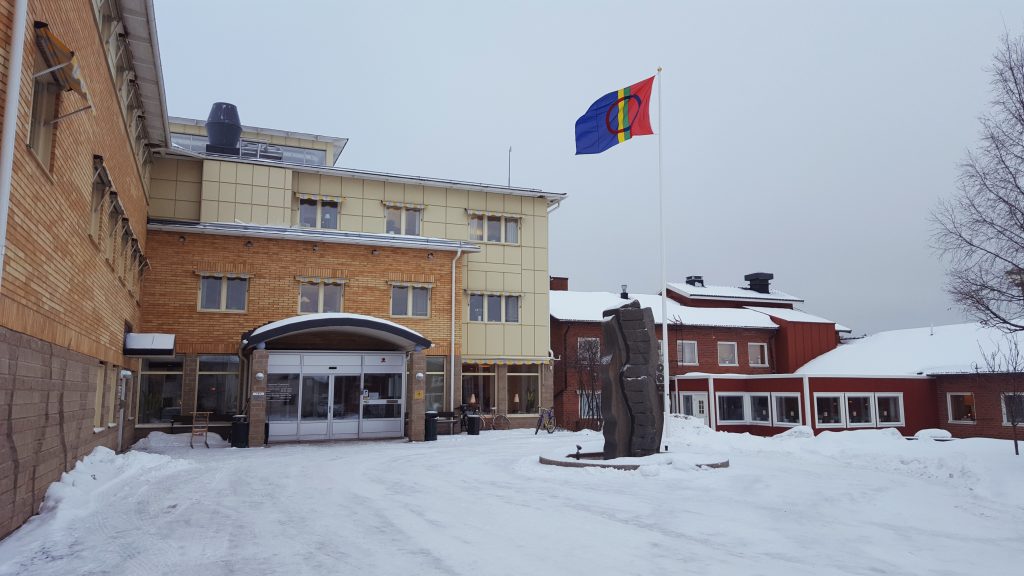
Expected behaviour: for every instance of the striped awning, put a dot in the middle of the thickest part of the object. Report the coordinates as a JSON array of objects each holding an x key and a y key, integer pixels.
[
  {"x": 61, "y": 63},
  {"x": 508, "y": 361}
]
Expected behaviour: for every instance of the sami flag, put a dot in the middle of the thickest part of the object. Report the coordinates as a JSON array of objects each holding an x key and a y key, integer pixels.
[{"x": 615, "y": 117}]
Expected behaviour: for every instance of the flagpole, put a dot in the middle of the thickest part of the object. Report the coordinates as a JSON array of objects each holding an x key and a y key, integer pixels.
[{"x": 664, "y": 284}]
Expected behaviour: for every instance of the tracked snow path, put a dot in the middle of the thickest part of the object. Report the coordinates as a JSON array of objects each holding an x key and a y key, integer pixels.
[{"x": 850, "y": 503}]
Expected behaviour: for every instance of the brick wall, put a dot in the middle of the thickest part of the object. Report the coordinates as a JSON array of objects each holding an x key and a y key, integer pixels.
[
  {"x": 170, "y": 291},
  {"x": 988, "y": 390},
  {"x": 63, "y": 309}
]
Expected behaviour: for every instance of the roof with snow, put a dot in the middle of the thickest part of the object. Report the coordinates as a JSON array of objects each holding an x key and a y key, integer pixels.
[
  {"x": 951, "y": 349},
  {"x": 589, "y": 307},
  {"x": 359, "y": 324},
  {"x": 792, "y": 315},
  {"x": 730, "y": 293}
]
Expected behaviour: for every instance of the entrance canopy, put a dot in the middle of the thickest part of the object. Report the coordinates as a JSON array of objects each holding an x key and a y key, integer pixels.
[{"x": 336, "y": 330}]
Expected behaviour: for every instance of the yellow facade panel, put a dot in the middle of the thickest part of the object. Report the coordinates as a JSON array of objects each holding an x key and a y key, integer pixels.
[
  {"x": 190, "y": 170},
  {"x": 163, "y": 189},
  {"x": 211, "y": 190},
  {"x": 186, "y": 210},
  {"x": 495, "y": 202},
  {"x": 260, "y": 176},
  {"x": 164, "y": 169},
  {"x": 458, "y": 198},
  {"x": 353, "y": 207},
  {"x": 373, "y": 189},
  {"x": 434, "y": 196},
  {"x": 228, "y": 172},
  {"x": 244, "y": 174},
  {"x": 260, "y": 195},
  {"x": 161, "y": 207},
  {"x": 188, "y": 191},
  {"x": 227, "y": 192},
  {"x": 243, "y": 193}
]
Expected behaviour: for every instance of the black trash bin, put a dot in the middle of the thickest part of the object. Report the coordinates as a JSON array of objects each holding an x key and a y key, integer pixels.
[
  {"x": 240, "y": 431},
  {"x": 430, "y": 426},
  {"x": 473, "y": 425}
]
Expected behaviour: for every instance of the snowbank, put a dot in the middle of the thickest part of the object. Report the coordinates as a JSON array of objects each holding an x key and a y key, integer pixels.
[
  {"x": 933, "y": 434},
  {"x": 160, "y": 441}
]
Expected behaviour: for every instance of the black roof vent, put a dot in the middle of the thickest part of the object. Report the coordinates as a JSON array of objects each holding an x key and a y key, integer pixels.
[
  {"x": 223, "y": 129},
  {"x": 759, "y": 281},
  {"x": 625, "y": 292},
  {"x": 695, "y": 281}
]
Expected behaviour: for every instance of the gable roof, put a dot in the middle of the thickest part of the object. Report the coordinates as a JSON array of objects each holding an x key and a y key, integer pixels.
[
  {"x": 951, "y": 349},
  {"x": 574, "y": 306},
  {"x": 793, "y": 315},
  {"x": 730, "y": 293}
]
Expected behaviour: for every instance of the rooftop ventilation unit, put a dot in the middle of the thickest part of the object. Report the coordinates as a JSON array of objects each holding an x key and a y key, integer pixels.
[{"x": 223, "y": 129}]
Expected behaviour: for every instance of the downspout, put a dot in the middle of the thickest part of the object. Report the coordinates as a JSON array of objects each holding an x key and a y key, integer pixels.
[
  {"x": 712, "y": 403},
  {"x": 451, "y": 348},
  {"x": 10, "y": 129},
  {"x": 807, "y": 402}
]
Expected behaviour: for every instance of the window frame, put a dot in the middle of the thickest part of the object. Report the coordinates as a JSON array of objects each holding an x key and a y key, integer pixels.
[
  {"x": 842, "y": 410},
  {"x": 681, "y": 353},
  {"x": 735, "y": 352},
  {"x": 890, "y": 424},
  {"x": 593, "y": 404},
  {"x": 409, "y": 291},
  {"x": 1002, "y": 406},
  {"x": 719, "y": 396},
  {"x": 517, "y": 371},
  {"x": 750, "y": 409},
  {"x": 318, "y": 215},
  {"x": 223, "y": 298},
  {"x": 871, "y": 402},
  {"x": 502, "y": 307},
  {"x": 750, "y": 359},
  {"x": 48, "y": 96},
  {"x": 199, "y": 376},
  {"x": 181, "y": 391},
  {"x": 320, "y": 284},
  {"x": 427, "y": 381},
  {"x": 949, "y": 408},
  {"x": 403, "y": 219},
  {"x": 503, "y": 222},
  {"x": 775, "y": 409}
]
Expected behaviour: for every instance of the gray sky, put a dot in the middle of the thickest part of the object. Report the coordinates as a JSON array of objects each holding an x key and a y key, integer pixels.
[{"x": 803, "y": 137}]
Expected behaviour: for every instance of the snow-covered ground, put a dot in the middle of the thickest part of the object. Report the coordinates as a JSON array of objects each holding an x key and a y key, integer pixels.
[{"x": 865, "y": 502}]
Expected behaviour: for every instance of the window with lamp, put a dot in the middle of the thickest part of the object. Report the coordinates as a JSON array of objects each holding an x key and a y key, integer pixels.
[
  {"x": 318, "y": 212},
  {"x": 400, "y": 219}
]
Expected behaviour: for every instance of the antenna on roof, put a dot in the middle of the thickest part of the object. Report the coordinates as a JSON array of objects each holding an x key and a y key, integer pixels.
[
  {"x": 509, "y": 166},
  {"x": 931, "y": 330}
]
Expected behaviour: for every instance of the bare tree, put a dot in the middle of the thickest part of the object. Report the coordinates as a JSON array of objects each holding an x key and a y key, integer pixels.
[
  {"x": 1006, "y": 360},
  {"x": 981, "y": 228},
  {"x": 587, "y": 365}
]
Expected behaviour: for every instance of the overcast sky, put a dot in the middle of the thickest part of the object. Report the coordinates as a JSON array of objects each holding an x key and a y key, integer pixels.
[{"x": 807, "y": 138}]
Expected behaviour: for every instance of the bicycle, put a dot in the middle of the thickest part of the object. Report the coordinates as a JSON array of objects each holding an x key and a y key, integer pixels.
[
  {"x": 546, "y": 419},
  {"x": 494, "y": 420}
]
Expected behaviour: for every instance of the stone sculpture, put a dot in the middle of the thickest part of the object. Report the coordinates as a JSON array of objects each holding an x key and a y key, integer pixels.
[{"x": 630, "y": 397}]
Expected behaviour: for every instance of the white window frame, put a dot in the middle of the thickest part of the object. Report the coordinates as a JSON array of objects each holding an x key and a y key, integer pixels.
[
  {"x": 878, "y": 413},
  {"x": 408, "y": 294},
  {"x": 504, "y": 303},
  {"x": 735, "y": 353},
  {"x": 680, "y": 356},
  {"x": 502, "y": 222},
  {"x": 949, "y": 408},
  {"x": 320, "y": 294},
  {"x": 223, "y": 293},
  {"x": 750, "y": 409},
  {"x": 718, "y": 407},
  {"x": 871, "y": 402},
  {"x": 842, "y": 409},
  {"x": 402, "y": 219},
  {"x": 750, "y": 359},
  {"x": 799, "y": 410},
  {"x": 1002, "y": 406}
]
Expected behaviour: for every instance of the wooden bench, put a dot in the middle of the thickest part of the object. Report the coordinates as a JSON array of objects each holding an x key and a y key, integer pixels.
[{"x": 447, "y": 419}]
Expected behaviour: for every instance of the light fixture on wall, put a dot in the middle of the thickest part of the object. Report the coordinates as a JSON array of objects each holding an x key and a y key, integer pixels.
[
  {"x": 260, "y": 376},
  {"x": 374, "y": 252},
  {"x": 420, "y": 377},
  {"x": 430, "y": 255},
  {"x": 181, "y": 239},
  {"x": 248, "y": 243},
  {"x": 316, "y": 247}
]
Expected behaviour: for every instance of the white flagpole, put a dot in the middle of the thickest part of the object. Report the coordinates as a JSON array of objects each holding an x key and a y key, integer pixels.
[{"x": 664, "y": 284}]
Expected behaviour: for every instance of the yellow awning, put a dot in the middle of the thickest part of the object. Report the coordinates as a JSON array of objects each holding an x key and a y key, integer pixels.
[{"x": 60, "y": 61}]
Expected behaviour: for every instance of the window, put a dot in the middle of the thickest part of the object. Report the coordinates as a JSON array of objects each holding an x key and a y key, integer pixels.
[
  {"x": 727, "y": 354},
  {"x": 493, "y": 308},
  {"x": 859, "y": 410},
  {"x": 590, "y": 404},
  {"x": 787, "y": 409},
  {"x": 101, "y": 378},
  {"x": 322, "y": 296},
  {"x": 588, "y": 351},
  {"x": 160, "y": 390},
  {"x": 478, "y": 385},
  {"x": 829, "y": 410},
  {"x": 434, "y": 385},
  {"x": 45, "y": 96},
  {"x": 223, "y": 293},
  {"x": 758, "y": 354},
  {"x": 282, "y": 397},
  {"x": 760, "y": 409},
  {"x": 101, "y": 186},
  {"x": 318, "y": 213},
  {"x": 961, "y": 407},
  {"x": 402, "y": 220},
  {"x": 408, "y": 300},
  {"x": 492, "y": 228},
  {"x": 889, "y": 408},
  {"x": 731, "y": 409},
  {"x": 523, "y": 389},
  {"x": 1013, "y": 408},
  {"x": 217, "y": 390},
  {"x": 686, "y": 352}
]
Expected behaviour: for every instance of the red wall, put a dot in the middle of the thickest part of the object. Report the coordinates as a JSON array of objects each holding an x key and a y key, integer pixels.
[
  {"x": 988, "y": 390},
  {"x": 701, "y": 303},
  {"x": 797, "y": 343}
]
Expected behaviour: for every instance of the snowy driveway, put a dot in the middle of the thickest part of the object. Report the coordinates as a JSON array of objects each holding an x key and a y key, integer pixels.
[{"x": 847, "y": 503}]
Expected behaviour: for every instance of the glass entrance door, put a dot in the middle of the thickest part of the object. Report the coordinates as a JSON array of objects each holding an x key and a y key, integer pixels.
[
  {"x": 346, "y": 406},
  {"x": 315, "y": 407},
  {"x": 382, "y": 406}
]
